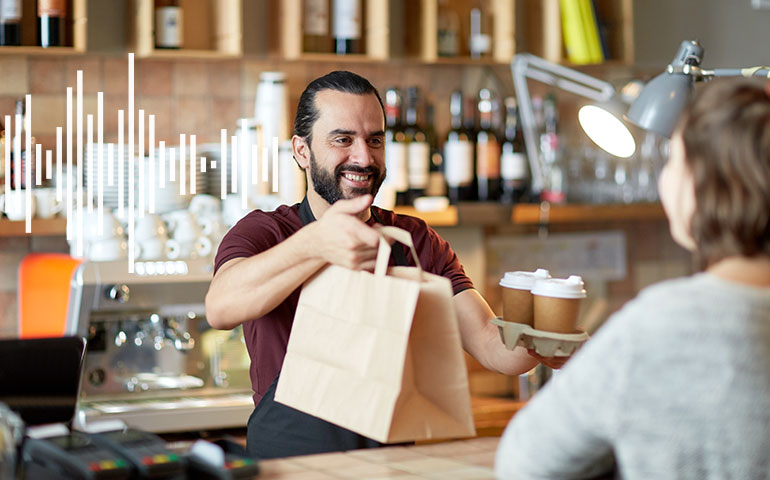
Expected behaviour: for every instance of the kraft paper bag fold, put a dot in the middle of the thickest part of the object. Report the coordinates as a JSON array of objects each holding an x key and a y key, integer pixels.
[{"x": 379, "y": 353}]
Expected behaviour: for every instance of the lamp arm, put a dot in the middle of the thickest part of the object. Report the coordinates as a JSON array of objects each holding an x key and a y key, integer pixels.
[
  {"x": 742, "y": 72},
  {"x": 701, "y": 73},
  {"x": 527, "y": 66}
]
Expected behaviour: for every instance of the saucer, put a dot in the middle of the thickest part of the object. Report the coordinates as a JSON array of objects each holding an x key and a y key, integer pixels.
[{"x": 545, "y": 344}]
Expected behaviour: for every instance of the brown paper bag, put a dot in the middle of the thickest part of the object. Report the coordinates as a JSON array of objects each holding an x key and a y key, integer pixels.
[{"x": 379, "y": 354}]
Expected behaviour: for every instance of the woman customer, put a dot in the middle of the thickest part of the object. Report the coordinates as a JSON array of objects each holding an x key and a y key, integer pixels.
[{"x": 677, "y": 383}]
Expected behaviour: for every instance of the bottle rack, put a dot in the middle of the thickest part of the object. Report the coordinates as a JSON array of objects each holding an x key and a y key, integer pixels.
[
  {"x": 75, "y": 35},
  {"x": 399, "y": 29}
]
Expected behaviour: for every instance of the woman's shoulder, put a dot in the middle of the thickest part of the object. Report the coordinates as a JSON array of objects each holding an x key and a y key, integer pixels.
[{"x": 659, "y": 302}]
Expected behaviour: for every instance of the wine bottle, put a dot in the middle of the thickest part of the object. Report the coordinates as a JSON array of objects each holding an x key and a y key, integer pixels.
[
  {"x": 487, "y": 150},
  {"x": 51, "y": 22},
  {"x": 448, "y": 31},
  {"x": 514, "y": 169},
  {"x": 436, "y": 182},
  {"x": 480, "y": 39},
  {"x": 315, "y": 27},
  {"x": 554, "y": 188},
  {"x": 347, "y": 27},
  {"x": 10, "y": 22},
  {"x": 396, "y": 147},
  {"x": 418, "y": 153},
  {"x": 169, "y": 26},
  {"x": 459, "y": 165},
  {"x": 19, "y": 164}
]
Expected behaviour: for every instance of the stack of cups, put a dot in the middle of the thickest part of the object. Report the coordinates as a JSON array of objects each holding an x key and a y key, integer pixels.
[
  {"x": 557, "y": 302},
  {"x": 518, "y": 306}
]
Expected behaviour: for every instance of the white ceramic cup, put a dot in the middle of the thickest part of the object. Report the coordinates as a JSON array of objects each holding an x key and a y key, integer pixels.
[
  {"x": 203, "y": 246},
  {"x": 153, "y": 248},
  {"x": 148, "y": 227},
  {"x": 232, "y": 208},
  {"x": 214, "y": 228},
  {"x": 199, "y": 247},
  {"x": 182, "y": 225},
  {"x": 204, "y": 205},
  {"x": 111, "y": 227},
  {"x": 14, "y": 204},
  {"x": 106, "y": 250},
  {"x": 47, "y": 206}
]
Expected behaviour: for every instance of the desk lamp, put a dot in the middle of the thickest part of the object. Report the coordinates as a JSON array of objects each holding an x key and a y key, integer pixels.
[
  {"x": 601, "y": 120},
  {"x": 658, "y": 106}
]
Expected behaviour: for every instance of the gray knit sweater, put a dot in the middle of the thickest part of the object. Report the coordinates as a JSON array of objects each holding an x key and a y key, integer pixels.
[{"x": 674, "y": 385}]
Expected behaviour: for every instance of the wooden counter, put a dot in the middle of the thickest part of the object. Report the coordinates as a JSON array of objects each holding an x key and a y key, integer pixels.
[{"x": 461, "y": 459}]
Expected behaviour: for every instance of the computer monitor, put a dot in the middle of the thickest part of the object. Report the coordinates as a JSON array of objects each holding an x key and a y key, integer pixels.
[{"x": 40, "y": 377}]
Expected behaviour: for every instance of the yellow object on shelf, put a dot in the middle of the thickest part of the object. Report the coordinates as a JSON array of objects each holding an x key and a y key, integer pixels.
[{"x": 581, "y": 32}]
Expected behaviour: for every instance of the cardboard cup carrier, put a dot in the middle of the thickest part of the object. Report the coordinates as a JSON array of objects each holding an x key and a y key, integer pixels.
[{"x": 557, "y": 302}]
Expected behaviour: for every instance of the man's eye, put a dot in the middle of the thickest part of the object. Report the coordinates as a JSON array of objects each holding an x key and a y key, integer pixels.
[
  {"x": 376, "y": 142},
  {"x": 342, "y": 140}
]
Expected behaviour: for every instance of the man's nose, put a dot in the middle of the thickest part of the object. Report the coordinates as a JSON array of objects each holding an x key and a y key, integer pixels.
[{"x": 360, "y": 152}]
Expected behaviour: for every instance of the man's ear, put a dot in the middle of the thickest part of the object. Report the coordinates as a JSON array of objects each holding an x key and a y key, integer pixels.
[{"x": 301, "y": 151}]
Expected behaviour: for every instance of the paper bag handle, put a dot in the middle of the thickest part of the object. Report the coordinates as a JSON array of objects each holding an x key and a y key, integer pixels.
[{"x": 383, "y": 253}]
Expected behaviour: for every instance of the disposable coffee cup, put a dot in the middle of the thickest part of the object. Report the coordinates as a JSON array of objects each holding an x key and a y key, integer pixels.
[
  {"x": 556, "y": 303},
  {"x": 517, "y": 298}
]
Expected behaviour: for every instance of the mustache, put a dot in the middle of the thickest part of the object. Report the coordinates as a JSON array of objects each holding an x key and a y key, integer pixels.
[{"x": 355, "y": 169}]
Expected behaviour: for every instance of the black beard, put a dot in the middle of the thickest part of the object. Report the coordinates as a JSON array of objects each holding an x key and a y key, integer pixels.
[{"x": 328, "y": 186}]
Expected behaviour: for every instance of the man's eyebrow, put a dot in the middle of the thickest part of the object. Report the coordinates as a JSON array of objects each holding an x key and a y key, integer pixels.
[{"x": 340, "y": 131}]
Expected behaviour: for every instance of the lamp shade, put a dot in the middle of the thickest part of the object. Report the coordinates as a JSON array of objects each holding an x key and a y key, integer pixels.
[
  {"x": 607, "y": 130},
  {"x": 662, "y": 100}
]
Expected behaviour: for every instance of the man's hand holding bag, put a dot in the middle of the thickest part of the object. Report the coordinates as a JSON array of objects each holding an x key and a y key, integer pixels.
[{"x": 379, "y": 354}]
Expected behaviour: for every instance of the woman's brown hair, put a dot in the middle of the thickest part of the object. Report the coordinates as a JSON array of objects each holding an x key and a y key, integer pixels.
[{"x": 726, "y": 135}]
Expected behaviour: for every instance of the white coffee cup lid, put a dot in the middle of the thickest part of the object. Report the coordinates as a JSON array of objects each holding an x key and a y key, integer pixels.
[
  {"x": 571, "y": 287},
  {"x": 523, "y": 280}
]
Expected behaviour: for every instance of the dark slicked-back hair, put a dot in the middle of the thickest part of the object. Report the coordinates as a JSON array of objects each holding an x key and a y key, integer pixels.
[
  {"x": 340, "y": 81},
  {"x": 726, "y": 136}
]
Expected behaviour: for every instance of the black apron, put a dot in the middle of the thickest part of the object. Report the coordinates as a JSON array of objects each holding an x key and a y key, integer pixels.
[{"x": 276, "y": 430}]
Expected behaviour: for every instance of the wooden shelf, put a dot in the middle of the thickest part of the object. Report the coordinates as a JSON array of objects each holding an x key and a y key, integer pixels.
[
  {"x": 189, "y": 54},
  {"x": 334, "y": 58},
  {"x": 543, "y": 36},
  {"x": 441, "y": 218},
  {"x": 502, "y": 24},
  {"x": 25, "y": 50},
  {"x": 495, "y": 214},
  {"x": 46, "y": 228},
  {"x": 533, "y": 214},
  {"x": 211, "y": 29},
  {"x": 375, "y": 29},
  {"x": 75, "y": 32}
]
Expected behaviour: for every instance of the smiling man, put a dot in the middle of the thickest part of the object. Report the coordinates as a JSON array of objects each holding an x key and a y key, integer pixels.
[{"x": 264, "y": 259}]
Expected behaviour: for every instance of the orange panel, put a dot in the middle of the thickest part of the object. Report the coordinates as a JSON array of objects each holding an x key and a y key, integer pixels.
[{"x": 44, "y": 288}]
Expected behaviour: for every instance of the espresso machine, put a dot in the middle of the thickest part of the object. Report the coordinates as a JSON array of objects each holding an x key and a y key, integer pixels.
[{"x": 152, "y": 361}]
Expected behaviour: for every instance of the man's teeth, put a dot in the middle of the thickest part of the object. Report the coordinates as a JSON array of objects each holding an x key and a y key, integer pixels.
[{"x": 356, "y": 178}]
